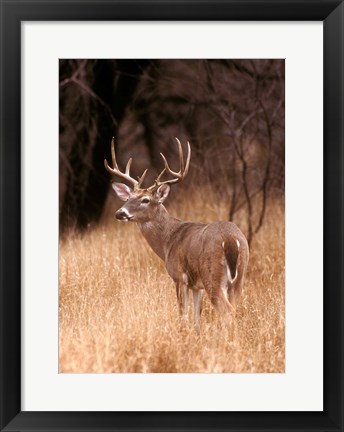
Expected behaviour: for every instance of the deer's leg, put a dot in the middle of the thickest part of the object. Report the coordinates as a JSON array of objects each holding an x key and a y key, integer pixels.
[
  {"x": 238, "y": 290},
  {"x": 238, "y": 285},
  {"x": 222, "y": 305},
  {"x": 197, "y": 301},
  {"x": 216, "y": 287},
  {"x": 231, "y": 294},
  {"x": 183, "y": 299}
]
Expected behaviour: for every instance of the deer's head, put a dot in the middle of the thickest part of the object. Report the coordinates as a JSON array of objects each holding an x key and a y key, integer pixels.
[{"x": 141, "y": 204}]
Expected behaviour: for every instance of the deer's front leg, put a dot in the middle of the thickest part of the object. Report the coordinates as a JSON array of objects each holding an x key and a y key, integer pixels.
[{"x": 183, "y": 299}]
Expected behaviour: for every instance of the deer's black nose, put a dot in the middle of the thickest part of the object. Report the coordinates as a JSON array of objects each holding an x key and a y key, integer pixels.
[{"x": 123, "y": 215}]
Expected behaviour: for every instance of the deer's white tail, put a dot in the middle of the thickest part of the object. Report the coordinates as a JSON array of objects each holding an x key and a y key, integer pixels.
[{"x": 231, "y": 250}]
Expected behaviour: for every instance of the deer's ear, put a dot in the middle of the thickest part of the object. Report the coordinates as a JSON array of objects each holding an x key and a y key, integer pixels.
[
  {"x": 123, "y": 191},
  {"x": 162, "y": 192}
]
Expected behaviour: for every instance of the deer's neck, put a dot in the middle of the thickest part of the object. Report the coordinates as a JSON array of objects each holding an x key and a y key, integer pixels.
[{"x": 158, "y": 231}]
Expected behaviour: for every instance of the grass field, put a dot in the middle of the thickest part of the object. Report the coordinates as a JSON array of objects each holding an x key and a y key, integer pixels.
[{"x": 118, "y": 309}]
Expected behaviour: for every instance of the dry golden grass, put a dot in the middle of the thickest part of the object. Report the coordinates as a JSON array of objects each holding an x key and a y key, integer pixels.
[{"x": 118, "y": 309}]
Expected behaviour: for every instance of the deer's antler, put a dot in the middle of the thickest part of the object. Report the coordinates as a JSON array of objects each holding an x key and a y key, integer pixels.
[
  {"x": 178, "y": 176},
  {"x": 126, "y": 175}
]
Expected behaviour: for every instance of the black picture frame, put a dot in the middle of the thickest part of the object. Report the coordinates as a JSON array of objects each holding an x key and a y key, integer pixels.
[{"x": 331, "y": 12}]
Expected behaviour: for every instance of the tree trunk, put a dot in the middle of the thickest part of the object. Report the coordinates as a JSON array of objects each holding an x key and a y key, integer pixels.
[{"x": 114, "y": 84}]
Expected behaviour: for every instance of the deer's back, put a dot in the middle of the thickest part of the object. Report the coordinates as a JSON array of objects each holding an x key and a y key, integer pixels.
[{"x": 194, "y": 248}]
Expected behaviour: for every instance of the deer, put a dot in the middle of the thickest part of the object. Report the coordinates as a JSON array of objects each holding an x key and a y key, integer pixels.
[{"x": 199, "y": 257}]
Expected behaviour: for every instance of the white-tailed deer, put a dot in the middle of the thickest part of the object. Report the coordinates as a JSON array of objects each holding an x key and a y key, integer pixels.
[{"x": 197, "y": 256}]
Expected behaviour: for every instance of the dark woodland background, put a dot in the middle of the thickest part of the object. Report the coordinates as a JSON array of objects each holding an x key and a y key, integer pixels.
[{"x": 231, "y": 111}]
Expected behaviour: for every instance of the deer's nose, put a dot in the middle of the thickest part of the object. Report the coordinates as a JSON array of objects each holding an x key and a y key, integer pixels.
[{"x": 123, "y": 215}]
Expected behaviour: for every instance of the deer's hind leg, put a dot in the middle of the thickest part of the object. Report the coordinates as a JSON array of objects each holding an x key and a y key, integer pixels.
[
  {"x": 215, "y": 284},
  {"x": 222, "y": 305},
  {"x": 197, "y": 302},
  {"x": 235, "y": 289},
  {"x": 183, "y": 299}
]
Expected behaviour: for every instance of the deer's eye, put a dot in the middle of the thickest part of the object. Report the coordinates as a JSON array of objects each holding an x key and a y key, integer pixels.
[{"x": 145, "y": 200}]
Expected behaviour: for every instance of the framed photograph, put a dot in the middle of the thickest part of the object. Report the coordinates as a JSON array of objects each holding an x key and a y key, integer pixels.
[
  {"x": 216, "y": 131},
  {"x": 206, "y": 256}
]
